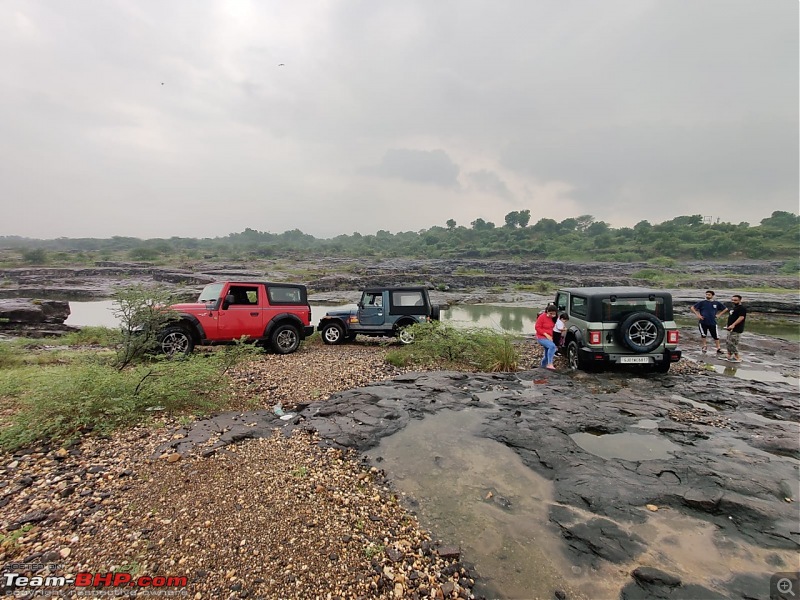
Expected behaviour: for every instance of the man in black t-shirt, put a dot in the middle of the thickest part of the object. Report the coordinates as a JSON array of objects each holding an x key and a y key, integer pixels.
[{"x": 735, "y": 327}]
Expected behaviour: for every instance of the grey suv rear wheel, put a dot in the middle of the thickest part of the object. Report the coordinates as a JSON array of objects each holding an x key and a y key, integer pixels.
[{"x": 573, "y": 362}]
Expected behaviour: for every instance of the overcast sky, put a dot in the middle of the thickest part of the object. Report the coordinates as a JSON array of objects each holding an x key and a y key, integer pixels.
[{"x": 198, "y": 118}]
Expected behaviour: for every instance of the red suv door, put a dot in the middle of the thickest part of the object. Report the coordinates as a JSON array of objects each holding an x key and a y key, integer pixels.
[{"x": 241, "y": 314}]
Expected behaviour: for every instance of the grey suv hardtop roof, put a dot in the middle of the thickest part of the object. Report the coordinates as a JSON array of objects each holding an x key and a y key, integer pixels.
[{"x": 616, "y": 290}]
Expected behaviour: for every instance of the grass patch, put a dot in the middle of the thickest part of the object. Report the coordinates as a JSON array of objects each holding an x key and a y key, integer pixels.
[
  {"x": 541, "y": 287},
  {"x": 442, "y": 345},
  {"x": 60, "y": 402},
  {"x": 93, "y": 336}
]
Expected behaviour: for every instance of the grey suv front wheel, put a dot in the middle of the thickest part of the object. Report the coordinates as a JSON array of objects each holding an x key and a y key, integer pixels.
[{"x": 332, "y": 333}]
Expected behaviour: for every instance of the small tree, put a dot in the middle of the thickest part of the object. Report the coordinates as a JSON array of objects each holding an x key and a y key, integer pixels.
[{"x": 142, "y": 314}]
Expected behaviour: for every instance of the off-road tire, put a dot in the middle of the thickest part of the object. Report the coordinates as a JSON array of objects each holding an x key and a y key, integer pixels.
[
  {"x": 332, "y": 333},
  {"x": 641, "y": 332},
  {"x": 175, "y": 339},
  {"x": 285, "y": 339},
  {"x": 403, "y": 334},
  {"x": 573, "y": 356},
  {"x": 662, "y": 367}
]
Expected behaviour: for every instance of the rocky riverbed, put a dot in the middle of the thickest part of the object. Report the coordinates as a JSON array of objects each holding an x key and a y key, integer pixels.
[{"x": 249, "y": 505}]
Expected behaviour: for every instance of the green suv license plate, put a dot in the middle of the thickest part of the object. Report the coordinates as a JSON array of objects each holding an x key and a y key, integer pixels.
[{"x": 638, "y": 360}]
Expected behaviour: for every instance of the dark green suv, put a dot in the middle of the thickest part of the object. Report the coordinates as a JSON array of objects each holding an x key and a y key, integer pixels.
[{"x": 619, "y": 325}]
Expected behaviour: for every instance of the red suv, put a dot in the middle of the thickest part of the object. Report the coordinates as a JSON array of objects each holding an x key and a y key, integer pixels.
[{"x": 274, "y": 314}]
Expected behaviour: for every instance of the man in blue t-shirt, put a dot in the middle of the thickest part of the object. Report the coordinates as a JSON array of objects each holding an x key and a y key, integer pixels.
[{"x": 707, "y": 312}]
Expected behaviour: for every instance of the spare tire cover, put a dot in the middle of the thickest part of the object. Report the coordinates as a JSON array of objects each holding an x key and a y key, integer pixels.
[{"x": 641, "y": 332}]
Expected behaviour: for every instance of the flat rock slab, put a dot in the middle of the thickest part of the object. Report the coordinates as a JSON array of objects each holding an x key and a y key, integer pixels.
[{"x": 735, "y": 462}]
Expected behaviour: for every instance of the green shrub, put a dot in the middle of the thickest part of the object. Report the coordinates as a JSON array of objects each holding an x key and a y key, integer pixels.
[
  {"x": 790, "y": 267},
  {"x": 437, "y": 343},
  {"x": 7, "y": 357},
  {"x": 663, "y": 261},
  {"x": 648, "y": 274}
]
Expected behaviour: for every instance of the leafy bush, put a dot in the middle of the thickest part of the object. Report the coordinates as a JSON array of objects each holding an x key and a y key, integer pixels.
[
  {"x": 436, "y": 343},
  {"x": 142, "y": 314}
]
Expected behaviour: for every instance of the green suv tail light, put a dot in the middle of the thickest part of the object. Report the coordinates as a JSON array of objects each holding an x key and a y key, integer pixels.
[
  {"x": 595, "y": 337},
  {"x": 673, "y": 336}
]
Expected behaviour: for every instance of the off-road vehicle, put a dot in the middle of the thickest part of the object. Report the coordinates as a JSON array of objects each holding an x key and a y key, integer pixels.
[
  {"x": 274, "y": 314},
  {"x": 382, "y": 311},
  {"x": 618, "y": 325}
]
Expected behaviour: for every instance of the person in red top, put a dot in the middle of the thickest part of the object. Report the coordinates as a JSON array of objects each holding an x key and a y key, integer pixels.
[{"x": 544, "y": 335}]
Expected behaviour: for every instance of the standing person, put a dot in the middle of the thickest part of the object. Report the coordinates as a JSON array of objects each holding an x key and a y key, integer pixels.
[
  {"x": 735, "y": 327},
  {"x": 544, "y": 335},
  {"x": 707, "y": 312}
]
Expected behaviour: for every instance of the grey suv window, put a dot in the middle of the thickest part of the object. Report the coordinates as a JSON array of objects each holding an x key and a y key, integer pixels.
[
  {"x": 578, "y": 306},
  {"x": 407, "y": 298}
]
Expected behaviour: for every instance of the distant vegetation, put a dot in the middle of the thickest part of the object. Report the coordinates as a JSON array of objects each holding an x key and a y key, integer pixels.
[{"x": 582, "y": 238}]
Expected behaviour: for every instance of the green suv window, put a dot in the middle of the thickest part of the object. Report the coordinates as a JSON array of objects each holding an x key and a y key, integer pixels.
[{"x": 612, "y": 311}]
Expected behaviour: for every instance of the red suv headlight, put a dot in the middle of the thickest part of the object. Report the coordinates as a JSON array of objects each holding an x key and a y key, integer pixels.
[{"x": 595, "y": 337}]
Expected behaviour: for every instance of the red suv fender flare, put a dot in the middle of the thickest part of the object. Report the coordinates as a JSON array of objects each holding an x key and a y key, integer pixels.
[
  {"x": 282, "y": 318},
  {"x": 191, "y": 323}
]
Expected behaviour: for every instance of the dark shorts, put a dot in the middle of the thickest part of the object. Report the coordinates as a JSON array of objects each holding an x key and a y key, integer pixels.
[{"x": 707, "y": 329}]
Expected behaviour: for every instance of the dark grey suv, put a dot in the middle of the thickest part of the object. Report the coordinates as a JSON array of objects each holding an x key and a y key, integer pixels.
[
  {"x": 382, "y": 311},
  {"x": 619, "y": 325}
]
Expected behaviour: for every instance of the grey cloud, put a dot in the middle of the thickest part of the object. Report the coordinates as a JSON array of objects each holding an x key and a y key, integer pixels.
[
  {"x": 420, "y": 166},
  {"x": 489, "y": 181},
  {"x": 642, "y": 109}
]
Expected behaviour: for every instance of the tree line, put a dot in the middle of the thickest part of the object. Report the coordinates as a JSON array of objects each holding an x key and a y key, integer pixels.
[{"x": 580, "y": 238}]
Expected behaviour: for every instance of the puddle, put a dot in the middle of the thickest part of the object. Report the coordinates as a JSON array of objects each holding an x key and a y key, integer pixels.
[
  {"x": 700, "y": 553},
  {"x": 646, "y": 424},
  {"x": 755, "y": 375},
  {"x": 762, "y": 418},
  {"x": 695, "y": 403},
  {"x": 477, "y": 493},
  {"x": 627, "y": 446}
]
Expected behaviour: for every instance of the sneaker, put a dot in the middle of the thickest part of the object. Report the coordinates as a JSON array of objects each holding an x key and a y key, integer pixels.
[
  {"x": 703, "y": 350},
  {"x": 734, "y": 360},
  {"x": 551, "y": 367},
  {"x": 719, "y": 351}
]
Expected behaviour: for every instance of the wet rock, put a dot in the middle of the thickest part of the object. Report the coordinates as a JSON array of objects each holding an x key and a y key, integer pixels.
[
  {"x": 653, "y": 576},
  {"x": 703, "y": 499},
  {"x": 604, "y": 539},
  {"x": 449, "y": 552}
]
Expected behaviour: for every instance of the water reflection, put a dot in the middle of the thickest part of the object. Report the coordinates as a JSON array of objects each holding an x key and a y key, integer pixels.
[
  {"x": 92, "y": 314},
  {"x": 511, "y": 319}
]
